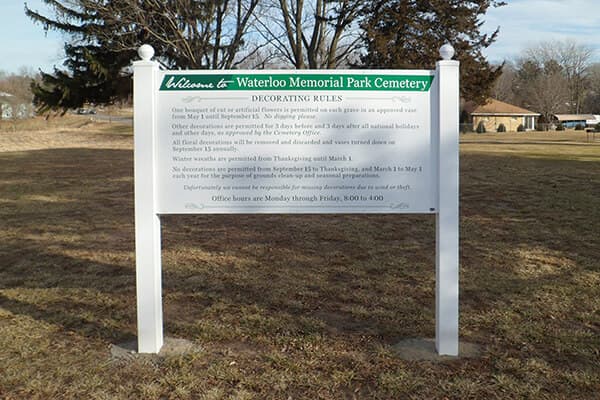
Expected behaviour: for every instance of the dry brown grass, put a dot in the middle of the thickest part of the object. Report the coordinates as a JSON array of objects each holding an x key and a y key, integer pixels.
[{"x": 298, "y": 307}]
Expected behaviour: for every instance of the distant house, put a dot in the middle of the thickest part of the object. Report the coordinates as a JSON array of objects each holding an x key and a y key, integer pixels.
[
  {"x": 572, "y": 120},
  {"x": 495, "y": 112}
]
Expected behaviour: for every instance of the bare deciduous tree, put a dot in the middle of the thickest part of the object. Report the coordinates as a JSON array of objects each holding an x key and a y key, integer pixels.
[
  {"x": 504, "y": 86},
  {"x": 314, "y": 34},
  {"x": 542, "y": 88},
  {"x": 574, "y": 59},
  {"x": 591, "y": 103}
]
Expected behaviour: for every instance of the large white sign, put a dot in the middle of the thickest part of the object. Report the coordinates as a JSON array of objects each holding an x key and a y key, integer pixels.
[{"x": 295, "y": 143}]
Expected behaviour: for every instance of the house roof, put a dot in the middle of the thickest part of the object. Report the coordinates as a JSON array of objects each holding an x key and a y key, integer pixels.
[
  {"x": 497, "y": 107},
  {"x": 574, "y": 117}
]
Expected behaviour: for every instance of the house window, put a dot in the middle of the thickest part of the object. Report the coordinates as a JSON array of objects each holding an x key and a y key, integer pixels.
[{"x": 529, "y": 122}]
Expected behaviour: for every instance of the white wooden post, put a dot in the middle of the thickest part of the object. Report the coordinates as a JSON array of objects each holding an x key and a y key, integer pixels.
[
  {"x": 447, "y": 217},
  {"x": 147, "y": 222}
]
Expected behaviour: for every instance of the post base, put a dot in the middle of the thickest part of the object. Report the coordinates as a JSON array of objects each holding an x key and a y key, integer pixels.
[
  {"x": 126, "y": 352},
  {"x": 424, "y": 350}
]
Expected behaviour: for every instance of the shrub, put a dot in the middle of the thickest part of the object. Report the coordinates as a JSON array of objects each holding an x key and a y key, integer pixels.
[
  {"x": 579, "y": 127},
  {"x": 598, "y": 127},
  {"x": 520, "y": 128},
  {"x": 481, "y": 127},
  {"x": 501, "y": 128},
  {"x": 560, "y": 127}
]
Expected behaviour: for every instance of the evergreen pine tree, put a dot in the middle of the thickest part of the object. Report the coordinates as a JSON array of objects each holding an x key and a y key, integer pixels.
[
  {"x": 104, "y": 36},
  {"x": 408, "y": 34}
]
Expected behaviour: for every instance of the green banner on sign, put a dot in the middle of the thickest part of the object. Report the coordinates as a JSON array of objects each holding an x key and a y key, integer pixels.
[{"x": 194, "y": 82}]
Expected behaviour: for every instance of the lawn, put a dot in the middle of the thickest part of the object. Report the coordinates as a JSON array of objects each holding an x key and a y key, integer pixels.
[{"x": 303, "y": 306}]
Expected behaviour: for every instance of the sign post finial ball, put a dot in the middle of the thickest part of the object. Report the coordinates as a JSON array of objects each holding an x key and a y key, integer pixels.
[
  {"x": 146, "y": 52},
  {"x": 447, "y": 51}
]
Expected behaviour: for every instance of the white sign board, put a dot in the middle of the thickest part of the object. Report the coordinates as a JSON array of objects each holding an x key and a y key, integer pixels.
[
  {"x": 295, "y": 142},
  {"x": 307, "y": 142}
]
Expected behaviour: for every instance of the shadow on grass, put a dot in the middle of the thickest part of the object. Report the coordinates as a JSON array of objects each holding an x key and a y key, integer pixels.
[
  {"x": 527, "y": 142},
  {"x": 528, "y": 239},
  {"x": 69, "y": 319}
]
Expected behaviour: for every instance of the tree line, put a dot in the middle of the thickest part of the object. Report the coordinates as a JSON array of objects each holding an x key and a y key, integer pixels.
[
  {"x": 103, "y": 36},
  {"x": 552, "y": 77}
]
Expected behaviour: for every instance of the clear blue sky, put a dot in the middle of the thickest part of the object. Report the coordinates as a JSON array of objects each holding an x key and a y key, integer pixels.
[
  {"x": 522, "y": 23},
  {"x": 23, "y": 43}
]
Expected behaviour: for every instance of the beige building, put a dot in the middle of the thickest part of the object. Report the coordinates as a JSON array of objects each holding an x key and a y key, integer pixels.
[{"x": 495, "y": 112}]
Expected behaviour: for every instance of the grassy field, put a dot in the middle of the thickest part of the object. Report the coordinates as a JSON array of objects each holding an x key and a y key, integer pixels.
[{"x": 297, "y": 307}]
